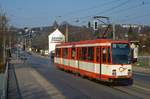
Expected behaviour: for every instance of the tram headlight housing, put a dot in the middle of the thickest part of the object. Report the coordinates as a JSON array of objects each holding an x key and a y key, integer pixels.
[
  {"x": 129, "y": 72},
  {"x": 114, "y": 72}
]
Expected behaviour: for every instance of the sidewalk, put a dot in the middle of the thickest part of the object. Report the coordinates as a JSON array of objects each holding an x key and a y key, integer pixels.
[
  {"x": 26, "y": 83},
  {"x": 1, "y": 84}
]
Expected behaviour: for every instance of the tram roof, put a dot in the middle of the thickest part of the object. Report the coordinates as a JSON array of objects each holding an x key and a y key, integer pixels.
[{"x": 93, "y": 42}]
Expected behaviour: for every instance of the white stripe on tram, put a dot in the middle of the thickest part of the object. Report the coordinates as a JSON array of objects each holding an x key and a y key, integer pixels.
[{"x": 85, "y": 45}]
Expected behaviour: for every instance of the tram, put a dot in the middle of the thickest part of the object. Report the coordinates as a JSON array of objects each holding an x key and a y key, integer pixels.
[{"x": 102, "y": 59}]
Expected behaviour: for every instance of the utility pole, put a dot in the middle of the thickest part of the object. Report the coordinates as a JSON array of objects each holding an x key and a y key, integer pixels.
[
  {"x": 4, "y": 41},
  {"x": 30, "y": 40},
  {"x": 10, "y": 39},
  {"x": 66, "y": 32},
  {"x": 4, "y": 48},
  {"x": 9, "y": 51},
  {"x": 114, "y": 30}
]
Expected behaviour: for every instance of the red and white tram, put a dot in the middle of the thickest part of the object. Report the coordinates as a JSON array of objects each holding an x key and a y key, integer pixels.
[{"x": 102, "y": 59}]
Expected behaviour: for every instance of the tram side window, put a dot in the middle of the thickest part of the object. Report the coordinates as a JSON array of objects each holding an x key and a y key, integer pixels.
[
  {"x": 106, "y": 58},
  {"x": 90, "y": 53},
  {"x": 104, "y": 52},
  {"x": 73, "y": 53},
  {"x": 108, "y": 55},
  {"x": 58, "y": 52},
  {"x": 98, "y": 55},
  {"x": 65, "y": 52},
  {"x": 84, "y": 53}
]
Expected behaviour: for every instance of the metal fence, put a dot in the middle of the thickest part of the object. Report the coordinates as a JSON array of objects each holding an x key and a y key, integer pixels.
[{"x": 143, "y": 61}]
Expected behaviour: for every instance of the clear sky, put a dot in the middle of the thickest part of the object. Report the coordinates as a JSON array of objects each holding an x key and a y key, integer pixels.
[{"x": 34, "y": 13}]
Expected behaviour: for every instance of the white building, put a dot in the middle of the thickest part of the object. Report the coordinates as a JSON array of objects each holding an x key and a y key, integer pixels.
[{"x": 55, "y": 38}]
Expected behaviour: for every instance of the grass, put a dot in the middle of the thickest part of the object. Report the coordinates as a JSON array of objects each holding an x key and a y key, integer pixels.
[{"x": 143, "y": 63}]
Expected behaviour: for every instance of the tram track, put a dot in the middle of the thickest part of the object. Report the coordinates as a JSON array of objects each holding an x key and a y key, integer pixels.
[
  {"x": 134, "y": 90},
  {"x": 124, "y": 91},
  {"x": 142, "y": 86},
  {"x": 138, "y": 89}
]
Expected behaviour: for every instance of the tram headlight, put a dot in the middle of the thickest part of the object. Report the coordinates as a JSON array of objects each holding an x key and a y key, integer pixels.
[
  {"x": 114, "y": 72},
  {"x": 129, "y": 72}
]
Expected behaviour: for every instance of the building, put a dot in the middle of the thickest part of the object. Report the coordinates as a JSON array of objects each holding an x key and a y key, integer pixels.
[{"x": 54, "y": 38}]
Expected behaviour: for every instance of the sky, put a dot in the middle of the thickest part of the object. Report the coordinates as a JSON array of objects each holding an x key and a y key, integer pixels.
[{"x": 34, "y": 13}]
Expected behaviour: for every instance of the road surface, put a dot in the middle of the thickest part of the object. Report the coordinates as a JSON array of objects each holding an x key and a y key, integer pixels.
[{"x": 57, "y": 84}]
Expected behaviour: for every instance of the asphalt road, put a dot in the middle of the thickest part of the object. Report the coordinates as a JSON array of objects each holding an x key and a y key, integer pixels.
[{"x": 75, "y": 87}]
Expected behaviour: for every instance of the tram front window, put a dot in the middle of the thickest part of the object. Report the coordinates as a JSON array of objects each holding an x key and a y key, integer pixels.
[{"x": 121, "y": 54}]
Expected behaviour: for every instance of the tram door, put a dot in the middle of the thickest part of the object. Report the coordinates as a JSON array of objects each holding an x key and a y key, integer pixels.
[
  {"x": 98, "y": 58},
  {"x": 102, "y": 57}
]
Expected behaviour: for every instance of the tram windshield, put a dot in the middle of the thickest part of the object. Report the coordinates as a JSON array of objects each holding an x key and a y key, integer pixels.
[{"x": 121, "y": 54}]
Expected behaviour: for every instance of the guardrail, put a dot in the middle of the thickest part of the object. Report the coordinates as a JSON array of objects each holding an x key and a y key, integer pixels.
[{"x": 4, "y": 83}]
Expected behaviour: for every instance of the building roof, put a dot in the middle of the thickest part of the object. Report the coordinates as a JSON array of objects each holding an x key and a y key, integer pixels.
[{"x": 56, "y": 33}]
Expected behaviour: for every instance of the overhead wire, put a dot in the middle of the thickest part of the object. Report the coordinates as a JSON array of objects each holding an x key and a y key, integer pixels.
[
  {"x": 136, "y": 17},
  {"x": 114, "y": 7},
  {"x": 91, "y": 8},
  {"x": 107, "y": 10},
  {"x": 133, "y": 7},
  {"x": 129, "y": 8},
  {"x": 120, "y": 11},
  {"x": 133, "y": 17}
]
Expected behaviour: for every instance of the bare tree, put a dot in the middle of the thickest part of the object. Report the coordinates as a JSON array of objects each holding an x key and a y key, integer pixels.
[{"x": 3, "y": 39}]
